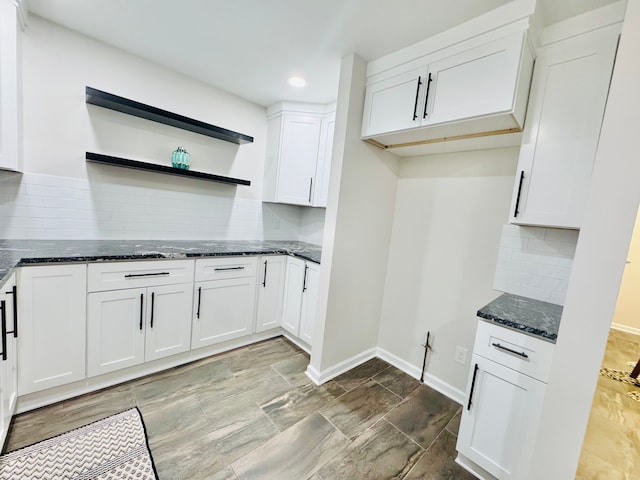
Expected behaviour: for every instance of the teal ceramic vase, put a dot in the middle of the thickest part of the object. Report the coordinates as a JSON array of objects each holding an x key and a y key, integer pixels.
[{"x": 180, "y": 159}]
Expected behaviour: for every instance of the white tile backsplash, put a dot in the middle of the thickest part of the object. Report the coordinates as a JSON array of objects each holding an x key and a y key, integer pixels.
[
  {"x": 52, "y": 207},
  {"x": 535, "y": 262}
]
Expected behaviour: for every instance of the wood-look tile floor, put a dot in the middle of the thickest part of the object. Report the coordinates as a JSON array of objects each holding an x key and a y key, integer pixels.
[
  {"x": 612, "y": 442},
  {"x": 253, "y": 414}
]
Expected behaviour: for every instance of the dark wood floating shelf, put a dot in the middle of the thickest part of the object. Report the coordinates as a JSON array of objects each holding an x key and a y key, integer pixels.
[
  {"x": 137, "y": 109},
  {"x": 152, "y": 167}
]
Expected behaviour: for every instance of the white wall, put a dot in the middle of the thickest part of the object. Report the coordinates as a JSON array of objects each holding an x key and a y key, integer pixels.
[
  {"x": 61, "y": 196},
  {"x": 627, "y": 315},
  {"x": 357, "y": 230},
  {"x": 448, "y": 219},
  {"x": 598, "y": 266}
]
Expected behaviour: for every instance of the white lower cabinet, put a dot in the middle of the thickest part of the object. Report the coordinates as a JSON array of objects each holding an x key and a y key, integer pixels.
[
  {"x": 300, "y": 298},
  {"x": 270, "y": 292},
  {"x": 52, "y": 323},
  {"x": 224, "y": 308},
  {"x": 131, "y": 326},
  {"x": 9, "y": 356},
  {"x": 151, "y": 320},
  {"x": 504, "y": 401}
]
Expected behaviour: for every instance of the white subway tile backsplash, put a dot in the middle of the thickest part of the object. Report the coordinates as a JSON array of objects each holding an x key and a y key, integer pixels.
[
  {"x": 535, "y": 262},
  {"x": 51, "y": 207}
]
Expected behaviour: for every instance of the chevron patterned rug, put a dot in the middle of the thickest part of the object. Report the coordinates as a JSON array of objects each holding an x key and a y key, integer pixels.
[{"x": 115, "y": 447}]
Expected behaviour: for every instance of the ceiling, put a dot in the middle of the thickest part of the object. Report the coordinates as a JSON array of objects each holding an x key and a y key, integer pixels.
[{"x": 251, "y": 47}]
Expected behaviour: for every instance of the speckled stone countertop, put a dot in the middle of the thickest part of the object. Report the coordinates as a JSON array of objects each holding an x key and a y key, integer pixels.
[
  {"x": 23, "y": 252},
  {"x": 533, "y": 317}
]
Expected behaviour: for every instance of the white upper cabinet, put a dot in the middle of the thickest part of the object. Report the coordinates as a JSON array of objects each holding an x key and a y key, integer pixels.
[
  {"x": 480, "y": 90},
  {"x": 10, "y": 99},
  {"x": 298, "y": 156},
  {"x": 568, "y": 98}
]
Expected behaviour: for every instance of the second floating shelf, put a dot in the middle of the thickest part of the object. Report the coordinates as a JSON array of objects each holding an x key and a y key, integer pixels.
[{"x": 127, "y": 163}]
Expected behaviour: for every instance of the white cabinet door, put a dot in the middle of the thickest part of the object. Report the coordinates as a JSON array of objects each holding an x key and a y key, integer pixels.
[
  {"x": 477, "y": 82},
  {"x": 52, "y": 338},
  {"x": 562, "y": 130},
  {"x": 10, "y": 118},
  {"x": 395, "y": 103},
  {"x": 480, "y": 90},
  {"x": 499, "y": 423},
  {"x": 115, "y": 330},
  {"x": 309, "y": 301},
  {"x": 298, "y": 157},
  {"x": 9, "y": 359},
  {"x": 323, "y": 169},
  {"x": 223, "y": 310},
  {"x": 168, "y": 323},
  {"x": 270, "y": 293},
  {"x": 292, "y": 307}
]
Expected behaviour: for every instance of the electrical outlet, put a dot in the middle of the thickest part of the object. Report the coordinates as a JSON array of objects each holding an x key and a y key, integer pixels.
[
  {"x": 461, "y": 355},
  {"x": 276, "y": 224}
]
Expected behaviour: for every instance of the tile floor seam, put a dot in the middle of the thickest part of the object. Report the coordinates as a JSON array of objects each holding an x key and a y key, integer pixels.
[
  {"x": 390, "y": 391},
  {"x": 384, "y": 417},
  {"x": 332, "y": 424},
  {"x": 282, "y": 376}
]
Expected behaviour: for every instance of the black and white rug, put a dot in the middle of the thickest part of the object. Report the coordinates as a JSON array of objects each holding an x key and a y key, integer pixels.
[
  {"x": 115, "y": 447},
  {"x": 623, "y": 376}
]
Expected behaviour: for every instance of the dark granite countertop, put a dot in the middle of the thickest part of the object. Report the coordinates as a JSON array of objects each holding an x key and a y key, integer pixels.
[
  {"x": 533, "y": 317},
  {"x": 23, "y": 252}
]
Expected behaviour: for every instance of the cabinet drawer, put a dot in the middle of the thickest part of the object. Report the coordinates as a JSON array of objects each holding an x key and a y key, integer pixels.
[
  {"x": 523, "y": 353},
  {"x": 118, "y": 275},
  {"x": 225, "y": 267}
]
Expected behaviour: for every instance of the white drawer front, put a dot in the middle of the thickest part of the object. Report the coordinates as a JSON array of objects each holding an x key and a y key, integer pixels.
[
  {"x": 220, "y": 268},
  {"x": 119, "y": 275},
  {"x": 524, "y": 353}
]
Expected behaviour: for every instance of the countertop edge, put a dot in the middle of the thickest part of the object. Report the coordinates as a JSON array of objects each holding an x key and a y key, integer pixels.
[{"x": 133, "y": 257}]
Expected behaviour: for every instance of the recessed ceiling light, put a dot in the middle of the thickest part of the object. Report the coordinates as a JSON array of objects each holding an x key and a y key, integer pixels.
[{"x": 297, "y": 82}]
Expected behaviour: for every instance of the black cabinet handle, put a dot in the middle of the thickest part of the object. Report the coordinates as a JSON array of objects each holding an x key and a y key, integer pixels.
[
  {"x": 264, "y": 279},
  {"x": 310, "y": 188},
  {"x": 507, "y": 349},
  {"x": 14, "y": 292},
  {"x": 304, "y": 281},
  {"x": 516, "y": 211},
  {"x": 153, "y": 299},
  {"x": 473, "y": 384},
  {"x": 135, "y": 275},
  {"x": 141, "y": 308},
  {"x": 3, "y": 307},
  {"x": 199, "y": 298},
  {"x": 426, "y": 98},
  {"x": 415, "y": 104},
  {"x": 224, "y": 269}
]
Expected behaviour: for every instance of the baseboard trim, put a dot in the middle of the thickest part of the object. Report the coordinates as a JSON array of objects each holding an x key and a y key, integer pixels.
[
  {"x": 624, "y": 328},
  {"x": 430, "y": 380},
  {"x": 338, "y": 369},
  {"x": 297, "y": 342}
]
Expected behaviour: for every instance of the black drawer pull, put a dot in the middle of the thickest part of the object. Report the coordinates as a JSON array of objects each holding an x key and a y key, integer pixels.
[
  {"x": 304, "y": 280},
  {"x": 415, "y": 104},
  {"x": 516, "y": 210},
  {"x": 3, "y": 307},
  {"x": 426, "y": 97},
  {"x": 473, "y": 385},
  {"x": 153, "y": 300},
  {"x": 199, "y": 299},
  {"x": 135, "y": 275},
  {"x": 14, "y": 292},
  {"x": 141, "y": 309},
  {"x": 507, "y": 349},
  {"x": 224, "y": 269},
  {"x": 264, "y": 279}
]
